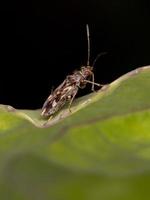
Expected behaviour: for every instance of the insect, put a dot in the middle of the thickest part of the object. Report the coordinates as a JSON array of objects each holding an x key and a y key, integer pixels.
[{"x": 68, "y": 89}]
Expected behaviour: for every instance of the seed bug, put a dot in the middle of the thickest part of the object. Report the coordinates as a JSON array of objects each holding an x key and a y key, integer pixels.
[{"x": 68, "y": 89}]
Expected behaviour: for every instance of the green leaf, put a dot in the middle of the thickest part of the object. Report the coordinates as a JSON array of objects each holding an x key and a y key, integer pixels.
[{"x": 101, "y": 150}]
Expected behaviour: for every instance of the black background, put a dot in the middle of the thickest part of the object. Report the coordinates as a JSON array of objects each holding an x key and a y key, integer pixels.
[{"x": 43, "y": 41}]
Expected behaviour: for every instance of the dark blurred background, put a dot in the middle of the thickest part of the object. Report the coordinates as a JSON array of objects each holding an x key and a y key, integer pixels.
[{"x": 43, "y": 41}]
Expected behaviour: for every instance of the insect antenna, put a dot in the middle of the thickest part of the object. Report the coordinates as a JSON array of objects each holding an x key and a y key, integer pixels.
[
  {"x": 97, "y": 57},
  {"x": 89, "y": 49},
  {"x": 88, "y": 41}
]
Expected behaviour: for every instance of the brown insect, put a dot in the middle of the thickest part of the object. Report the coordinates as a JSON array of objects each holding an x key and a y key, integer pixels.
[{"x": 68, "y": 89}]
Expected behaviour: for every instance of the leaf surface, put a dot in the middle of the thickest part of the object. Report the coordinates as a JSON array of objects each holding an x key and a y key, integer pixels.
[{"x": 99, "y": 151}]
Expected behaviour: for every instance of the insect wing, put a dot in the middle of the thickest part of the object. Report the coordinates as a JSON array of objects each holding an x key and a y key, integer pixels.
[{"x": 53, "y": 102}]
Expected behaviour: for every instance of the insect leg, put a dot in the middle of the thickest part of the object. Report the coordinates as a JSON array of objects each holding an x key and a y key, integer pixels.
[
  {"x": 93, "y": 83},
  {"x": 49, "y": 119},
  {"x": 73, "y": 96}
]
